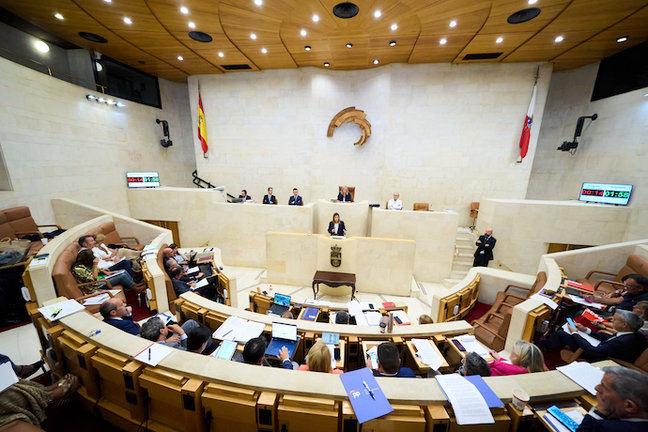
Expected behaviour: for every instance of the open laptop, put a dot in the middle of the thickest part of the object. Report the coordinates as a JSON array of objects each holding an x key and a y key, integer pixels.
[
  {"x": 280, "y": 306},
  {"x": 283, "y": 335}
]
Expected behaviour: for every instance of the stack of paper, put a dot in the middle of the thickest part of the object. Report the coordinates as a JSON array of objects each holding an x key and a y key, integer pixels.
[
  {"x": 588, "y": 338},
  {"x": 472, "y": 345},
  {"x": 580, "y": 300},
  {"x": 355, "y": 310},
  {"x": 201, "y": 283},
  {"x": 154, "y": 354},
  {"x": 427, "y": 354},
  {"x": 583, "y": 374},
  {"x": 193, "y": 270},
  {"x": 373, "y": 318},
  {"x": 467, "y": 402},
  {"x": 60, "y": 310},
  {"x": 227, "y": 330},
  {"x": 96, "y": 300},
  {"x": 250, "y": 330}
]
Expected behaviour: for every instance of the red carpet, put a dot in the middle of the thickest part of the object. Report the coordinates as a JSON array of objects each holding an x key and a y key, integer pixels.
[
  {"x": 477, "y": 312},
  {"x": 13, "y": 326},
  {"x": 139, "y": 312}
]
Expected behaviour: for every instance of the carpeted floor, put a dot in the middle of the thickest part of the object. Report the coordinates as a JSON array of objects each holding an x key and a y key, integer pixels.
[
  {"x": 139, "y": 312},
  {"x": 477, "y": 312}
]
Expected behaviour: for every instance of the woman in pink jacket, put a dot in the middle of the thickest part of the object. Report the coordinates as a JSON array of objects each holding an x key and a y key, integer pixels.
[{"x": 525, "y": 358}]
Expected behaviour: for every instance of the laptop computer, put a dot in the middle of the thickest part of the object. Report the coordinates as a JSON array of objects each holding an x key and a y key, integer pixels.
[
  {"x": 283, "y": 335},
  {"x": 281, "y": 304}
]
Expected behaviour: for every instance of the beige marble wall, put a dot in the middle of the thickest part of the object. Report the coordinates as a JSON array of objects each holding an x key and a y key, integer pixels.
[
  {"x": 441, "y": 133},
  {"x": 56, "y": 143},
  {"x": 382, "y": 266},
  {"x": 434, "y": 233},
  {"x": 355, "y": 216},
  {"x": 524, "y": 228},
  {"x": 612, "y": 149}
]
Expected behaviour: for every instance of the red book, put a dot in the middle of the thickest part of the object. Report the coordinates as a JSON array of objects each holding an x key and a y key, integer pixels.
[
  {"x": 580, "y": 286},
  {"x": 591, "y": 316},
  {"x": 388, "y": 304}
]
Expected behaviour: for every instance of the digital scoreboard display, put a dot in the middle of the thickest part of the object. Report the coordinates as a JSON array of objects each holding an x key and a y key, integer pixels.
[
  {"x": 604, "y": 193},
  {"x": 143, "y": 179}
]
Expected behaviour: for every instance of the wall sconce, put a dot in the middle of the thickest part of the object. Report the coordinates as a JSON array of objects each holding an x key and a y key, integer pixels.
[{"x": 101, "y": 99}]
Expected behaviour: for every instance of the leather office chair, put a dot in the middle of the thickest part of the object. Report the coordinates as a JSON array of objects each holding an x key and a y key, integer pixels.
[
  {"x": 421, "y": 207},
  {"x": 634, "y": 264}
]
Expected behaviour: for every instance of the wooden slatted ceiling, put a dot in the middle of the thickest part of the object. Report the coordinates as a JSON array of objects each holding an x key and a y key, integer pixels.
[{"x": 159, "y": 33}]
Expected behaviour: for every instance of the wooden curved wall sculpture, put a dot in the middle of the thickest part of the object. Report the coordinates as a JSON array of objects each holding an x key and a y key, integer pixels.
[{"x": 351, "y": 115}]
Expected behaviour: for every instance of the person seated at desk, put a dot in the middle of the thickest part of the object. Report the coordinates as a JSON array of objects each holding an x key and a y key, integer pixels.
[
  {"x": 640, "y": 309},
  {"x": 269, "y": 198},
  {"x": 88, "y": 242},
  {"x": 199, "y": 341},
  {"x": 180, "y": 287},
  {"x": 172, "y": 335},
  {"x": 389, "y": 362},
  {"x": 112, "y": 256},
  {"x": 180, "y": 259},
  {"x": 474, "y": 364},
  {"x": 626, "y": 345},
  {"x": 342, "y": 317},
  {"x": 336, "y": 226},
  {"x": 395, "y": 203},
  {"x": 318, "y": 359},
  {"x": 295, "y": 199},
  {"x": 244, "y": 196},
  {"x": 86, "y": 269},
  {"x": 425, "y": 319},
  {"x": 168, "y": 259},
  {"x": 184, "y": 276},
  {"x": 525, "y": 358},
  {"x": 118, "y": 314},
  {"x": 621, "y": 402},
  {"x": 344, "y": 195},
  {"x": 254, "y": 353},
  {"x": 636, "y": 290}
]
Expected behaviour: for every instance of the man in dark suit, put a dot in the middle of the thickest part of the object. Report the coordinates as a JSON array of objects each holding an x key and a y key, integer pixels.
[
  {"x": 180, "y": 287},
  {"x": 295, "y": 199},
  {"x": 484, "y": 252},
  {"x": 116, "y": 313},
  {"x": 389, "y": 362},
  {"x": 244, "y": 196},
  {"x": 626, "y": 345},
  {"x": 621, "y": 402},
  {"x": 269, "y": 198}
]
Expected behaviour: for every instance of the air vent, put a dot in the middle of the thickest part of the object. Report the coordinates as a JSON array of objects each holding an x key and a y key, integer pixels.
[
  {"x": 93, "y": 37},
  {"x": 482, "y": 56},
  {"x": 200, "y": 36},
  {"x": 345, "y": 10},
  {"x": 236, "y": 67},
  {"x": 523, "y": 15}
]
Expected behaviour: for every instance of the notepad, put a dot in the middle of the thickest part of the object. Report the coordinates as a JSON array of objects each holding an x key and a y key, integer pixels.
[
  {"x": 310, "y": 314},
  {"x": 201, "y": 283},
  {"x": 153, "y": 354},
  {"x": 193, "y": 270},
  {"x": 467, "y": 402},
  {"x": 59, "y": 310}
]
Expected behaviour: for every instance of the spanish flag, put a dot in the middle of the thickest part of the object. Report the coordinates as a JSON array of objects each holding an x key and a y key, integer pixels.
[{"x": 202, "y": 126}]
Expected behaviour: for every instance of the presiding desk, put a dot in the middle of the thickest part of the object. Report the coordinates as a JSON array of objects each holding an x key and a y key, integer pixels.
[{"x": 333, "y": 279}]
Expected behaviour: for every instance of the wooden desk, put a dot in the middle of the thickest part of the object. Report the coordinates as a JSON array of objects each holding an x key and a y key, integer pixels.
[
  {"x": 462, "y": 354},
  {"x": 420, "y": 365},
  {"x": 333, "y": 279}
]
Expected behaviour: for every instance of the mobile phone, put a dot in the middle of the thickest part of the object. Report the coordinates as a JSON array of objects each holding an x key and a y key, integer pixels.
[
  {"x": 571, "y": 322},
  {"x": 371, "y": 306},
  {"x": 458, "y": 345},
  {"x": 336, "y": 353},
  {"x": 398, "y": 320}
]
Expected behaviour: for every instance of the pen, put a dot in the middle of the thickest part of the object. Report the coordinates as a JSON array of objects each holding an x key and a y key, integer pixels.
[
  {"x": 94, "y": 333},
  {"x": 58, "y": 311},
  {"x": 149, "y": 354},
  {"x": 366, "y": 386},
  {"x": 227, "y": 333}
]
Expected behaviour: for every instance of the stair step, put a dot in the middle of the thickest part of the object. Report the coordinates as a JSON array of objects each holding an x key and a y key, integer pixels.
[
  {"x": 458, "y": 275},
  {"x": 448, "y": 282}
]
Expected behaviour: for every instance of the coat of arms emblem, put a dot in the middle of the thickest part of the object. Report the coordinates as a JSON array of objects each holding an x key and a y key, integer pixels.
[{"x": 336, "y": 256}]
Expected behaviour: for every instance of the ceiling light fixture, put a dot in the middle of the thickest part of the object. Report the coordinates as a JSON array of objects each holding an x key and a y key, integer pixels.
[
  {"x": 392, "y": 43},
  {"x": 58, "y": 16},
  {"x": 376, "y": 61},
  {"x": 128, "y": 21},
  {"x": 191, "y": 24},
  {"x": 327, "y": 64},
  {"x": 41, "y": 46},
  {"x": 531, "y": 2},
  {"x": 108, "y": 1},
  {"x": 180, "y": 58},
  {"x": 443, "y": 41},
  {"x": 559, "y": 39},
  {"x": 622, "y": 39},
  {"x": 453, "y": 23},
  {"x": 315, "y": 18},
  {"x": 101, "y": 99},
  {"x": 184, "y": 10},
  {"x": 394, "y": 27},
  {"x": 264, "y": 51},
  {"x": 221, "y": 54},
  {"x": 348, "y": 45},
  {"x": 377, "y": 14},
  {"x": 258, "y": 2},
  {"x": 307, "y": 48},
  {"x": 303, "y": 32},
  {"x": 499, "y": 40},
  {"x": 253, "y": 36}
]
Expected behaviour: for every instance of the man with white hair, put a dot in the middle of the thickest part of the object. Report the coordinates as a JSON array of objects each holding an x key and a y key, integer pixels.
[
  {"x": 395, "y": 203},
  {"x": 621, "y": 402}
]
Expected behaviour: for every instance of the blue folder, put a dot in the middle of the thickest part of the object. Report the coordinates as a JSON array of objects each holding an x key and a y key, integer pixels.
[{"x": 366, "y": 397}]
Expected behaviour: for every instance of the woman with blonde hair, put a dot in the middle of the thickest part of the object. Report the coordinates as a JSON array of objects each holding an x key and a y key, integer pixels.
[
  {"x": 318, "y": 359},
  {"x": 525, "y": 358}
]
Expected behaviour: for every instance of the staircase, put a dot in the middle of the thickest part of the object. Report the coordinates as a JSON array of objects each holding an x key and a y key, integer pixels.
[{"x": 463, "y": 258}]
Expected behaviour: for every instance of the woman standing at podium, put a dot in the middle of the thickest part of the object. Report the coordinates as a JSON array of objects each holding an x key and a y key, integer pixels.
[{"x": 336, "y": 226}]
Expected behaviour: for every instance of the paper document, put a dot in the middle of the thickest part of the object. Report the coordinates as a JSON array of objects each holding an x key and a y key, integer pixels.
[
  {"x": 401, "y": 316},
  {"x": 154, "y": 354},
  {"x": 588, "y": 338},
  {"x": 60, "y": 310},
  {"x": 249, "y": 330},
  {"x": 546, "y": 300},
  {"x": 331, "y": 338},
  {"x": 227, "y": 330},
  {"x": 581, "y": 300},
  {"x": 583, "y": 374},
  {"x": 472, "y": 345},
  {"x": 7, "y": 376},
  {"x": 193, "y": 270},
  {"x": 427, "y": 354},
  {"x": 96, "y": 300},
  {"x": 373, "y": 356},
  {"x": 114, "y": 292},
  {"x": 373, "y": 318},
  {"x": 201, "y": 283},
  {"x": 164, "y": 317},
  {"x": 354, "y": 308},
  {"x": 467, "y": 403}
]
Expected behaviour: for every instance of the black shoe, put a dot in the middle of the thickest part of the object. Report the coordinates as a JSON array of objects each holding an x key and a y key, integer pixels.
[{"x": 25, "y": 371}]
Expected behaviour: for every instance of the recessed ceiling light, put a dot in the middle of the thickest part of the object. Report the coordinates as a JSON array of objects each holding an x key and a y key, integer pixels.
[
  {"x": 327, "y": 64},
  {"x": 258, "y": 2},
  {"x": 264, "y": 51},
  {"x": 58, "y": 16},
  {"x": 307, "y": 48},
  {"x": 376, "y": 61},
  {"x": 184, "y": 10},
  {"x": 532, "y": 2},
  {"x": 41, "y": 46},
  {"x": 377, "y": 14},
  {"x": 443, "y": 41},
  {"x": 394, "y": 27},
  {"x": 349, "y": 45},
  {"x": 392, "y": 43},
  {"x": 221, "y": 54},
  {"x": 303, "y": 32},
  {"x": 499, "y": 40},
  {"x": 559, "y": 39},
  {"x": 622, "y": 39},
  {"x": 453, "y": 23},
  {"x": 253, "y": 36},
  {"x": 191, "y": 24},
  {"x": 315, "y": 18},
  {"x": 180, "y": 58},
  {"x": 128, "y": 20}
]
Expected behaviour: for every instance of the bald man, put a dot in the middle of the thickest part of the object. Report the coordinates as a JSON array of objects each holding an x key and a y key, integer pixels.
[
  {"x": 116, "y": 313},
  {"x": 484, "y": 252}
]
